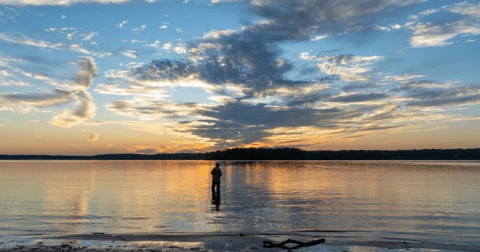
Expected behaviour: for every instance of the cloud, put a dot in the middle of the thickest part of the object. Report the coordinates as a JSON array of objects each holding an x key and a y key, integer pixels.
[
  {"x": 130, "y": 54},
  {"x": 89, "y": 36},
  {"x": 216, "y": 34},
  {"x": 134, "y": 41},
  {"x": 359, "y": 97},
  {"x": 428, "y": 12},
  {"x": 141, "y": 28},
  {"x": 28, "y": 41},
  {"x": 350, "y": 68},
  {"x": 180, "y": 48},
  {"x": 426, "y": 93},
  {"x": 24, "y": 40},
  {"x": 121, "y": 24},
  {"x": 84, "y": 107},
  {"x": 257, "y": 99},
  {"x": 225, "y": 1},
  {"x": 389, "y": 28},
  {"x": 167, "y": 46},
  {"x": 56, "y": 2},
  {"x": 403, "y": 78},
  {"x": 427, "y": 34},
  {"x": 46, "y": 99},
  {"x": 74, "y": 90},
  {"x": 396, "y": 26},
  {"x": 4, "y": 73},
  {"x": 382, "y": 28},
  {"x": 237, "y": 123},
  {"x": 466, "y": 8},
  {"x": 156, "y": 44},
  {"x": 319, "y": 37},
  {"x": 94, "y": 137},
  {"x": 151, "y": 109}
]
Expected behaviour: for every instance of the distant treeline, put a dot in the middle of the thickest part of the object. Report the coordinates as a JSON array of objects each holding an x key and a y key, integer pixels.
[{"x": 278, "y": 154}]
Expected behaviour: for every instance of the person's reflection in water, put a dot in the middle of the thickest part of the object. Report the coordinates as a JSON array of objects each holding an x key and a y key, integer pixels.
[
  {"x": 216, "y": 201},
  {"x": 216, "y": 174}
]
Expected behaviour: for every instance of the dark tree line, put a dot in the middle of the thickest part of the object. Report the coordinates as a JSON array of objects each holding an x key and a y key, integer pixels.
[
  {"x": 278, "y": 154},
  {"x": 258, "y": 154}
]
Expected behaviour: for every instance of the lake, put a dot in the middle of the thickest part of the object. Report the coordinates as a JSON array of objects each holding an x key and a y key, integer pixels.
[{"x": 431, "y": 201}]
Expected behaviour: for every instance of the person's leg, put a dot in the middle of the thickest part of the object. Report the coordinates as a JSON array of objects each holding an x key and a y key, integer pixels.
[{"x": 213, "y": 189}]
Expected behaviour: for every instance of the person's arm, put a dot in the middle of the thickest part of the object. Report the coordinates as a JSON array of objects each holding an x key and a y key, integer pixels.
[{"x": 220, "y": 172}]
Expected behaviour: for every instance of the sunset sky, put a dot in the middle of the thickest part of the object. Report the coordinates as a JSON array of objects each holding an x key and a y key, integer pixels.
[{"x": 84, "y": 77}]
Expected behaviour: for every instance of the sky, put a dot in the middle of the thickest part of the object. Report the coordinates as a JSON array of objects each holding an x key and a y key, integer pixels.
[{"x": 86, "y": 77}]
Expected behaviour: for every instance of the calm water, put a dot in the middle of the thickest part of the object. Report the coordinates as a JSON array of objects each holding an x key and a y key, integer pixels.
[{"x": 426, "y": 201}]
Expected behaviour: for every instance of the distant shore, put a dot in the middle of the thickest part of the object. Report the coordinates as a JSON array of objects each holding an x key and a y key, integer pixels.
[
  {"x": 276, "y": 154},
  {"x": 211, "y": 242}
]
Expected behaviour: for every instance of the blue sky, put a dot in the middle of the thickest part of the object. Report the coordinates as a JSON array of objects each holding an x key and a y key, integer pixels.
[{"x": 106, "y": 76}]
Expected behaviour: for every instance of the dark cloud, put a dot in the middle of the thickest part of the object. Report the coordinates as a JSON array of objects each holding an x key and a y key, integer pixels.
[
  {"x": 251, "y": 57},
  {"x": 360, "y": 97},
  {"x": 429, "y": 93},
  {"x": 159, "y": 70},
  {"x": 360, "y": 86},
  {"x": 46, "y": 99},
  {"x": 41, "y": 60},
  {"x": 251, "y": 60},
  {"x": 152, "y": 109},
  {"x": 245, "y": 123},
  {"x": 299, "y": 19}
]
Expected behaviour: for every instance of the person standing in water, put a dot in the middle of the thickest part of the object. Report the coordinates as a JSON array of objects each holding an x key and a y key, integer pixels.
[{"x": 216, "y": 174}]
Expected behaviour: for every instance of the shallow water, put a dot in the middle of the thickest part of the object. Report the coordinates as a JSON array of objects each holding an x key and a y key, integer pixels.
[{"x": 431, "y": 201}]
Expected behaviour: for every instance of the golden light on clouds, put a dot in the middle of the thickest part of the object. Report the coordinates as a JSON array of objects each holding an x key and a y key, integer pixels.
[{"x": 266, "y": 82}]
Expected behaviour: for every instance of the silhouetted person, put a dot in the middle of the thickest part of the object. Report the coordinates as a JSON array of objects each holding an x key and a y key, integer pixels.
[{"x": 216, "y": 174}]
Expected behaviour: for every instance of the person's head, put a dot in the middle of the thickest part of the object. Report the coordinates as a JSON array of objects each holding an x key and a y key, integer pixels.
[{"x": 217, "y": 165}]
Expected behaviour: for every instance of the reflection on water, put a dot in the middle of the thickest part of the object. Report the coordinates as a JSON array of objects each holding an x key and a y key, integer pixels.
[{"x": 427, "y": 201}]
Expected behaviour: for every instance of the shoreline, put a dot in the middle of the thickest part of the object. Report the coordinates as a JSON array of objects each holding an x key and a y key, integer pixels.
[{"x": 228, "y": 241}]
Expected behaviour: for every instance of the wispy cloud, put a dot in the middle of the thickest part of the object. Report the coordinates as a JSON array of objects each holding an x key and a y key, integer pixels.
[
  {"x": 466, "y": 8},
  {"x": 141, "y": 28},
  {"x": 151, "y": 109},
  {"x": 155, "y": 44},
  {"x": 55, "y": 2},
  {"x": 130, "y": 54},
  {"x": 75, "y": 90},
  {"x": 319, "y": 37},
  {"x": 121, "y": 24},
  {"x": 84, "y": 107},
  {"x": 349, "y": 68},
  {"x": 164, "y": 25},
  {"x": 428, "y": 12},
  {"x": 24, "y": 40},
  {"x": 440, "y": 35},
  {"x": 225, "y": 1},
  {"x": 94, "y": 137}
]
